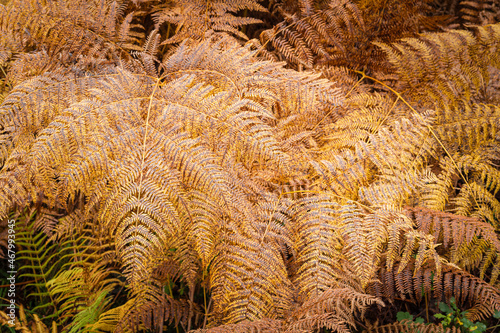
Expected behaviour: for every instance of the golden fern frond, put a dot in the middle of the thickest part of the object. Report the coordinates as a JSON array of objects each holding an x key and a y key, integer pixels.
[
  {"x": 200, "y": 107},
  {"x": 400, "y": 153},
  {"x": 468, "y": 179},
  {"x": 475, "y": 196},
  {"x": 194, "y": 19},
  {"x": 474, "y": 199},
  {"x": 467, "y": 127},
  {"x": 111, "y": 152},
  {"x": 366, "y": 113},
  {"x": 317, "y": 244},
  {"x": 334, "y": 309},
  {"x": 293, "y": 102},
  {"x": 285, "y": 91},
  {"x": 444, "y": 68},
  {"x": 370, "y": 237},
  {"x": 28, "y": 65},
  {"x": 342, "y": 174},
  {"x": 248, "y": 279},
  {"x": 262, "y": 325}
]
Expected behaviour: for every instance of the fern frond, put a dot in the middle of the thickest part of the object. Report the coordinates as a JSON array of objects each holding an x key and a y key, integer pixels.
[
  {"x": 400, "y": 153},
  {"x": 452, "y": 230},
  {"x": 82, "y": 293},
  {"x": 480, "y": 298},
  {"x": 466, "y": 241},
  {"x": 476, "y": 197},
  {"x": 314, "y": 31},
  {"x": 366, "y": 114},
  {"x": 193, "y": 19},
  {"x": 41, "y": 267},
  {"x": 444, "y": 68},
  {"x": 263, "y": 325},
  {"x": 368, "y": 236},
  {"x": 317, "y": 243},
  {"x": 467, "y": 127},
  {"x": 248, "y": 279},
  {"x": 70, "y": 31},
  {"x": 333, "y": 309},
  {"x": 411, "y": 326},
  {"x": 342, "y": 174},
  {"x": 113, "y": 153}
]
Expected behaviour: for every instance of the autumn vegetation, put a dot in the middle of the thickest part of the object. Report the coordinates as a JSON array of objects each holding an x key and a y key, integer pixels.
[{"x": 250, "y": 166}]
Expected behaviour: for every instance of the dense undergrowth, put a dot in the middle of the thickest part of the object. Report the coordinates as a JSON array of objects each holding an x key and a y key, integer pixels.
[{"x": 249, "y": 166}]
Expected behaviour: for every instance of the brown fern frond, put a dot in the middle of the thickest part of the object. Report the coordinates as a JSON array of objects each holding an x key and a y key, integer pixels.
[
  {"x": 340, "y": 33},
  {"x": 467, "y": 242},
  {"x": 314, "y": 32},
  {"x": 193, "y": 19},
  {"x": 471, "y": 293},
  {"x": 405, "y": 326},
  {"x": 452, "y": 230},
  {"x": 146, "y": 311},
  {"x": 480, "y": 12},
  {"x": 70, "y": 32},
  {"x": 333, "y": 309}
]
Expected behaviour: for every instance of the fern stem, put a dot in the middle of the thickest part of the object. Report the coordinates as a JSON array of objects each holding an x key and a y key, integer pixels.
[
  {"x": 427, "y": 307},
  {"x": 172, "y": 295},
  {"x": 204, "y": 300},
  {"x": 6, "y": 83}
]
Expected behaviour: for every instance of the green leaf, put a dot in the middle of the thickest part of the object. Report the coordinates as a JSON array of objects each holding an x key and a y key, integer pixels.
[
  {"x": 453, "y": 303},
  {"x": 467, "y": 323},
  {"x": 497, "y": 314},
  {"x": 404, "y": 315},
  {"x": 420, "y": 320},
  {"x": 445, "y": 308}
]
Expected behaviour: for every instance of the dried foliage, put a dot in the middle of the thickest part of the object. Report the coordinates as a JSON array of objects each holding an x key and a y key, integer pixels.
[{"x": 164, "y": 172}]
